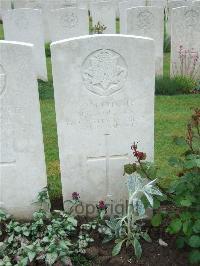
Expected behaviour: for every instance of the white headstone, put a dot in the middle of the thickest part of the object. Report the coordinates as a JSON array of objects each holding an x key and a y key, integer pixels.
[
  {"x": 36, "y": 4},
  {"x": 148, "y": 22},
  {"x": 158, "y": 3},
  {"x": 105, "y": 13},
  {"x": 83, "y": 4},
  {"x": 185, "y": 41},
  {"x": 171, "y": 5},
  {"x": 123, "y": 6},
  {"x": 196, "y": 3},
  {"x": 104, "y": 96},
  {"x": 22, "y": 162},
  {"x": 47, "y": 7},
  {"x": 25, "y": 25},
  {"x": 4, "y": 5},
  {"x": 68, "y": 22}
]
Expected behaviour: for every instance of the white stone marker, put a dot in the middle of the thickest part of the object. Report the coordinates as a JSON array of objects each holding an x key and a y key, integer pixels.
[
  {"x": 196, "y": 3},
  {"x": 171, "y": 5},
  {"x": 148, "y": 22},
  {"x": 185, "y": 35},
  {"x": 36, "y": 4},
  {"x": 104, "y": 96},
  {"x": 4, "y": 5},
  {"x": 47, "y": 7},
  {"x": 25, "y": 25},
  {"x": 68, "y": 22},
  {"x": 22, "y": 162},
  {"x": 123, "y": 6},
  {"x": 158, "y": 3},
  {"x": 83, "y": 4},
  {"x": 105, "y": 13}
]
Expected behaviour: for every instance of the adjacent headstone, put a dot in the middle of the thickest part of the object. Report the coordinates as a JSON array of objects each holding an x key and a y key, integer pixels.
[
  {"x": 26, "y": 25},
  {"x": 148, "y": 22},
  {"x": 196, "y": 3},
  {"x": 36, "y": 4},
  {"x": 104, "y": 96},
  {"x": 22, "y": 162},
  {"x": 83, "y": 4},
  {"x": 158, "y": 3},
  {"x": 170, "y": 6},
  {"x": 4, "y": 5},
  {"x": 105, "y": 13},
  {"x": 68, "y": 22},
  {"x": 123, "y": 6},
  {"x": 185, "y": 42},
  {"x": 47, "y": 7}
]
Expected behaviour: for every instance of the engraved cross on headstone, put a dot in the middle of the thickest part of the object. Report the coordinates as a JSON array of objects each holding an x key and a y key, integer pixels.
[{"x": 107, "y": 157}]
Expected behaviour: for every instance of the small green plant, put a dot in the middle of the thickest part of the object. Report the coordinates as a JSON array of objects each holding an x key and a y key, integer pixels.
[
  {"x": 43, "y": 199},
  {"x": 127, "y": 230},
  {"x": 98, "y": 28}
]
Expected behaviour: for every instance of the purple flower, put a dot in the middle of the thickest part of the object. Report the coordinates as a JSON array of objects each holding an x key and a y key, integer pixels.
[{"x": 75, "y": 196}]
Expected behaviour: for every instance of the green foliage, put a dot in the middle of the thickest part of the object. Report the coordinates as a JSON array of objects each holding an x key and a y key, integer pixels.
[
  {"x": 98, "y": 28},
  {"x": 49, "y": 237},
  {"x": 185, "y": 191},
  {"x": 126, "y": 230},
  {"x": 175, "y": 85}
]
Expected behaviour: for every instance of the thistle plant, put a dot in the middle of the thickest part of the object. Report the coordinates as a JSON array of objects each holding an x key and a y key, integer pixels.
[
  {"x": 98, "y": 28},
  {"x": 127, "y": 230}
]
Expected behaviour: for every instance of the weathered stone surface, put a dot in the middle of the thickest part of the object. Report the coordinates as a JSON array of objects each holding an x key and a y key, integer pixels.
[
  {"x": 123, "y": 6},
  {"x": 171, "y": 5},
  {"x": 104, "y": 96},
  {"x": 4, "y": 5},
  {"x": 36, "y": 4},
  {"x": 25, "y": 25},
  {"x": 22, "y": 163},
  {"x": 47, "y": 7},
  {"x": 68, "y": 22},
  {"x": 185, "y": 42},
  {"x": 105, "y": 13},
  {"x": 148, "y": 22}
]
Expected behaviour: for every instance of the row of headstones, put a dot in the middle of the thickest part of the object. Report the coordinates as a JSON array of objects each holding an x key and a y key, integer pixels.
[
  {"x": 104, "y": 94},
  {"x": 26, "y": 25},
  {"x": 104, "y": 98}
]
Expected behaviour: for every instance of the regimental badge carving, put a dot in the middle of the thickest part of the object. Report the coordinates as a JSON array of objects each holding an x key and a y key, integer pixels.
[
  {"x": 104, "y": 72},
  {"x": 2, "y": 80},
  {"x": 70, "y": 20},
  {"x": 145, "y": 20},
  {"x": 191, "y": 18}
]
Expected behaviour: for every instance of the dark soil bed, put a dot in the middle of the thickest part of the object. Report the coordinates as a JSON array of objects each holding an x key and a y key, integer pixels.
[{"x": 153, "y": 254}]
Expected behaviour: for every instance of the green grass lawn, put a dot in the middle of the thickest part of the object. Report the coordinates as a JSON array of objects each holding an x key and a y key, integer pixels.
[{"x": 171, "y": 114}]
